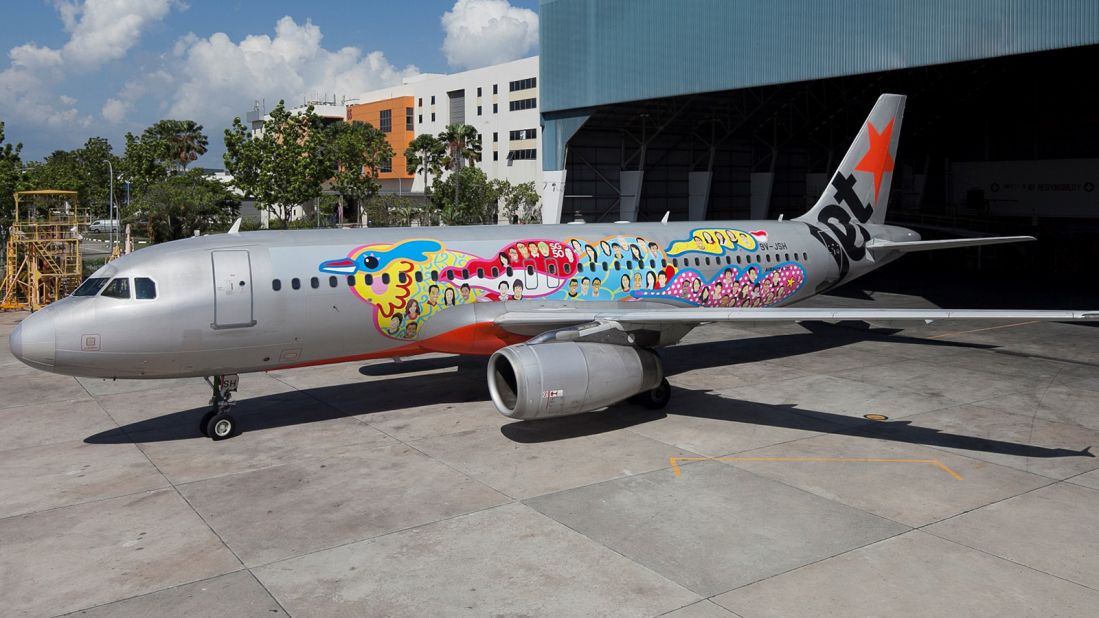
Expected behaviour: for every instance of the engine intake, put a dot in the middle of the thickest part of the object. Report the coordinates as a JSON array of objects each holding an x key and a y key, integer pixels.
[{"x": 544, "y": 380}]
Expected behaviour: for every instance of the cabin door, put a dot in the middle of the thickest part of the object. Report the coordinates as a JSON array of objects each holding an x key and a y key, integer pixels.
[{"x": 232, "y": 289}]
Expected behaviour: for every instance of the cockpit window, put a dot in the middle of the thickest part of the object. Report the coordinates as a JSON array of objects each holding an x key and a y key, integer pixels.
[
  {"x": 144, "y": 288},
  {"x": 91, "y": 287},
  {"x": 118, "y": 288}
]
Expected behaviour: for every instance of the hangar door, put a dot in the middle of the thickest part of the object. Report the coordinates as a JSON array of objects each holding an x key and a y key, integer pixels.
[{"x": 232, "y": 289}]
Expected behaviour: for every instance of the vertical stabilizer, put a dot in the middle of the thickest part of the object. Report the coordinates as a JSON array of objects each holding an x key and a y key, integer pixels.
[{"x": 859, "y": 189}]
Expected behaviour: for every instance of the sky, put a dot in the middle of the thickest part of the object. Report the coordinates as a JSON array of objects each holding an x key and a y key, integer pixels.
[{"x": 76, "y": 69}]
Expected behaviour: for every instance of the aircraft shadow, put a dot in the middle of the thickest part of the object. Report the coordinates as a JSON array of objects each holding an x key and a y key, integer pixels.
[
  {"x": 705, "y": 404},
  {"x": 395, "y": 389}
]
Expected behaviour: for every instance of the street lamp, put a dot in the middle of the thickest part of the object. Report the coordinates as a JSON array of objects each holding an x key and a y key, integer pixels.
[{"x": 110, "y": 205}]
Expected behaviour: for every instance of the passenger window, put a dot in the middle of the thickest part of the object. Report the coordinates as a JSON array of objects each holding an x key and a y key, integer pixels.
[
  {"x": 495, "y": 272},
  {"x": 333, "y": 281},
  {"x": 295, "y": 283},
  {"x": 385, "y": 278},
  {"x": 652, "y": 263},
  {"x": 144, "y": 288},
  {"x": 787, "y": 257},
  {"x": 552, "y": 270},
  {"x": 568, "y": 269},
  {"x": 434, "y": 275},
  {"x": 450, "y": 275},
  {"x": 276, "y": 285},
  {"x": 530, "y": 270},
  {"x": 419, "y": 277},
  {"x": 350, "y": 281},
  {"x": 369, "y": 279},
  {"x": 465, "y": 273},
  {"x": 697, "y": 263},
  {"x": 707, "y": 261},
  {"x": 314, "y": 283},
  {"x": 616, "y": 266},
  {"x": 403, "y": 278},
  {"x": 580, "y": 267},
  {"x": 118, "y": 288}
]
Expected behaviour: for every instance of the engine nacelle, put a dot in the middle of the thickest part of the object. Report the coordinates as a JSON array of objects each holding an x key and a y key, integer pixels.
[{"x": 543, "y": 380}]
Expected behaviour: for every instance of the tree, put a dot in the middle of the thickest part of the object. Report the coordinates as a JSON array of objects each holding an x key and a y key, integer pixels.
[
  {"x": 356, "y": 154},
  {"x": 84, "y": 170},
  {"x": 11, "y": 173},
  {"x": 282, "y": 167},
  {"x": 164, "y": 148},
  {"x": 521, "y": 202},
  {"x": 477, "y": 202},
  {"x": 463, "y": 144},
  {"x": 178, "y": 205},
  {"x": 425, "y": 154}
]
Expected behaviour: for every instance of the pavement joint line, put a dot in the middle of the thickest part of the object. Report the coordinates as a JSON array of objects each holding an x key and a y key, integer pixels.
[
  {"x": 977, "y": 330},
  {"x": 676, "y": 469},
  {"x": 145, "y": 594}
]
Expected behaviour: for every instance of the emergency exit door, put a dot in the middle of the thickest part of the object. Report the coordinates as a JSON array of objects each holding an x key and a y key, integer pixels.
[{"x": 232, "y": 289}]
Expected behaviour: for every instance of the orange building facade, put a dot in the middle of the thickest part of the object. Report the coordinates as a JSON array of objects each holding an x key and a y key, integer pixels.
[{"x": 394, "y": 118}]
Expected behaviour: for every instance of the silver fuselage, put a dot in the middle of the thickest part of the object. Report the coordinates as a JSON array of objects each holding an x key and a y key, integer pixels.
[{"x": 216, "y": 310}]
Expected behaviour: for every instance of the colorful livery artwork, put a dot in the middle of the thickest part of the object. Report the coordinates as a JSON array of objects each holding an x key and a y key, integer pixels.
[{"x": 409, "y": 282}]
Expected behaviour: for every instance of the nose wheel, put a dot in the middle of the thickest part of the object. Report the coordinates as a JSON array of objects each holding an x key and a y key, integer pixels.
[{"x": 218, "y": 424}]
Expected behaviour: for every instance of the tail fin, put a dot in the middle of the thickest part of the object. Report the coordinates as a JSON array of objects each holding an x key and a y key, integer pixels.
[{"x": 861, "y": 184}]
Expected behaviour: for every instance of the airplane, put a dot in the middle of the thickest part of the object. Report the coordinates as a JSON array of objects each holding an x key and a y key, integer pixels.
[{"x": 569, "y": 315}]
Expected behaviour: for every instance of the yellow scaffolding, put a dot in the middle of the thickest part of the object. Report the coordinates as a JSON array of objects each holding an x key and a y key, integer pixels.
[{"x": 42, "y": 260}]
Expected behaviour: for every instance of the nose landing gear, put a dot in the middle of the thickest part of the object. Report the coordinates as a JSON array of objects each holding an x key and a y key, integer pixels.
[{"x": 217, "y": 424}]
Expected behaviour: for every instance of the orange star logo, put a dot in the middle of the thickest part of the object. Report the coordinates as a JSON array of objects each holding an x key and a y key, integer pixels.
[{"x": 877, "y": 159}]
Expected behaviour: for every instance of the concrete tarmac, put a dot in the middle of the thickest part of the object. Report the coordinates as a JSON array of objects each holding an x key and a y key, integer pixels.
[{"x": 801, "y": 470}]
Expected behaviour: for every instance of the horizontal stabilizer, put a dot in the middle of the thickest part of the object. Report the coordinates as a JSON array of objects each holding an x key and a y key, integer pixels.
[{"x": 880, "y": 244}]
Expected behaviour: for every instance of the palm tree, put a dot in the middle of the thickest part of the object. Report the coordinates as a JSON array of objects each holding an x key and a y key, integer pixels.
[
  {"x": 425, "y": 154},
  {"x": 463, "y": 144},
  {"x": 184, "y": 138}
]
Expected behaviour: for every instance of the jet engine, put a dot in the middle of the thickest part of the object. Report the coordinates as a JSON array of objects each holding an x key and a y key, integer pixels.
[{"x": 544, "y": 380}]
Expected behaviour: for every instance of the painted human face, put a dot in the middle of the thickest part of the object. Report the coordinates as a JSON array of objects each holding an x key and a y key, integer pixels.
[
  {"x": 433, "y": 295},
  {"x": 544, "y": 249},
  {"x": 572, "y": 287},
  {"x": 465, "y": 293},
  {"x": 605, "y": 247},
  {"x": 696, "y": 285},
  {"x": 513, "y": 255},
  {"x": 654, "y": 248},
  {"x": 413, "y": 310},
  {"x": 753, "y": 274},
  {"x": 592, "y": 255},
  {"x": 413, "y": 327},
  {"x": 661, "y": 279},
  {"x": 618, "y": 252},
  {"x": 637, "y": 281},
  {"x": 698, "y": 242},
  {"x": 448, "y": 297},
  {"x": 625, "y": 283},
  {"x": 504, "y": 289},
  {"x": 533, "y": 248},
  {"x": 517, "y": 290},
  {"x": 569, "y": 255},
  {"x": 504, "y": 261},
  {"x": 719, "y": 237},
  {"x": 650, "y": 279},
  {"x": 709, "y": 238},
  {"x": 636, "y": 251},
  {"x": 705, "y": 297},
  {"x": 524, "y": 251},
  {"x": 596, "y": 285},
  {"x": 585, "y": 285}
]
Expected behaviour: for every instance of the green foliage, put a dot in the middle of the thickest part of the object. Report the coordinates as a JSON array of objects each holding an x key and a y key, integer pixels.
[
  {"x": 164, "y": 148},
  {"x": 284, "y": 166},
  {"x": 356, "y": 152},
  {"x": 84, "y": 170},
  {"x": 463, "y": 145},
  {"x": 521, "y": 202},
  {"x": 391, "y": 210},
  {"x": 467, "y": 197},
  {"x": 178, "y": 205},
  {"x": 425, "y": 155},
  {"x": 11, "y": 173}
]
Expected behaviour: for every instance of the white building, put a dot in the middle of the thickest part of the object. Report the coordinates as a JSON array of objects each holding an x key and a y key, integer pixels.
[{"x": 500, "y": 101}]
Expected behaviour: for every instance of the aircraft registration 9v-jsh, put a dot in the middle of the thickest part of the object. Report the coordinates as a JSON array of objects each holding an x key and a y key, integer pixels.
[{"x": 570, "y": 314}]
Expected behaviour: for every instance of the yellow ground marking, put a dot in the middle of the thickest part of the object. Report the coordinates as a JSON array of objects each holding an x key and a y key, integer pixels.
[
  {"x": 977, "y": 330},
  {"x": 875, "y": 417},
  {"x": 935, "y": 462}
]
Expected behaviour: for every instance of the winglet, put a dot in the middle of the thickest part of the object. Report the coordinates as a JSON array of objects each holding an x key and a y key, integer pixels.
[
  {"x": 664, "y": 219},
  {"x": 236, "y": 226}
]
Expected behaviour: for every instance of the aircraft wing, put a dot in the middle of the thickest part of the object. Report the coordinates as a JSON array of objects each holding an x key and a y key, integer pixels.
[
  {"x": 950, "y": 243},
  {"x": 527, "y": 321}
]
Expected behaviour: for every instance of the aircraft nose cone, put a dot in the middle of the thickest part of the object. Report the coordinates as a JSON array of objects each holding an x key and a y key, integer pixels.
[{"x": 33, "y": 341}]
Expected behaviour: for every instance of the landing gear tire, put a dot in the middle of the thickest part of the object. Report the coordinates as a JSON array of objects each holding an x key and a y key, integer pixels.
[
  {"x": 657, "y": 398},
  {"x": 220, "y": 426},
  {"x": 206, "y": 421}
]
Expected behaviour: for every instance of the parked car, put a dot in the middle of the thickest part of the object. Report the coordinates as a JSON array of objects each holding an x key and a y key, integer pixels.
[{"x": 103, "y": 226}]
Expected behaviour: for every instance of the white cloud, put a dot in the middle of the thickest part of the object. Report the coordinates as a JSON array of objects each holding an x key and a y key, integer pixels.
[
  {"x": 484, "y": 32},
  {"x": 116, "y": 110},
  {"x": 218, "y": 78},
  {"x": 100, "y": 31}
]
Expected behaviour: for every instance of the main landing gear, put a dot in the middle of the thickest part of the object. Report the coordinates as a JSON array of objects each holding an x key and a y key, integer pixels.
[
  {"x": 217, "y": 424},
  {"x": 655, "y": 399}
]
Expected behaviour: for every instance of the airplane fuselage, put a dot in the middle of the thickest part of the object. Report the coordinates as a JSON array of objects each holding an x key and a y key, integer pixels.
[{"x": 258, "y": 301}]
